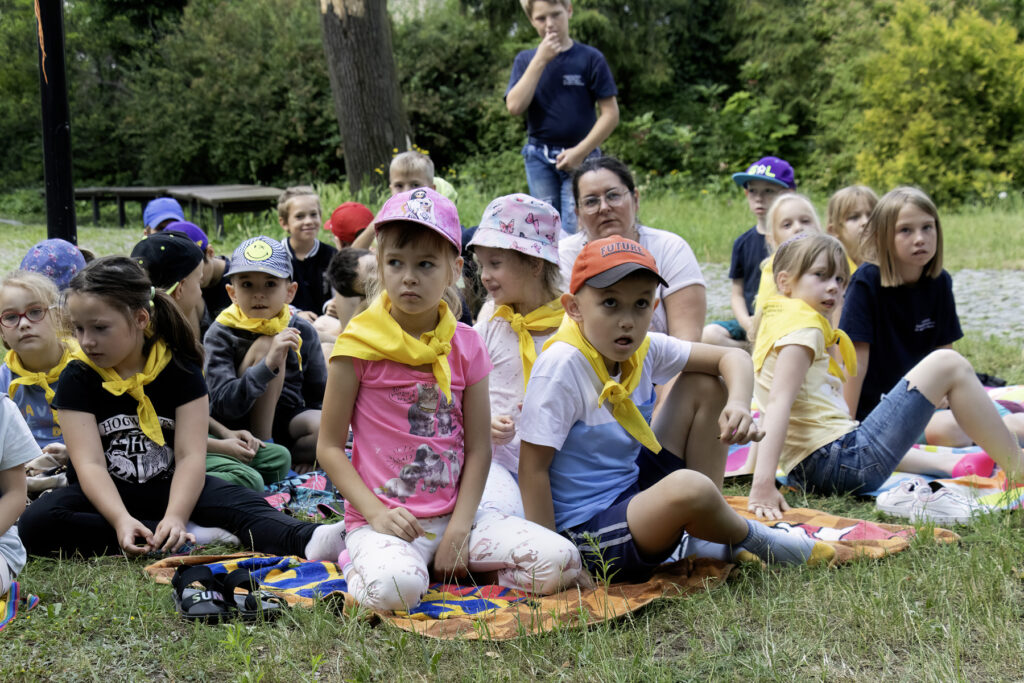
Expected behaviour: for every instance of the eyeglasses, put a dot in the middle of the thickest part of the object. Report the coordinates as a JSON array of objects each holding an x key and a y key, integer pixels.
[
  {"x": 614, "y": 198},
  {"x": 11, "y": 319}
]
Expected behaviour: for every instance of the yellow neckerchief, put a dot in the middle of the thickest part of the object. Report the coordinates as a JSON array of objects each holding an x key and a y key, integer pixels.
[
  {"x": 851, "y": 264},
  {"x": 233, "y": 317},
  {"x": 618, "y": 394},
  {"x": 375, "y": 335},
  {"x": 159, "y": 357},
  {"x": 541, "y": 318},
  {"x": 783, "y": 315},
  {"x": 39, "y": 379}
]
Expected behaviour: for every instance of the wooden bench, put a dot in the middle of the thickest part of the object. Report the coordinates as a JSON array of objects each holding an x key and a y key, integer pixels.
[{"x": 221, "y": 199}]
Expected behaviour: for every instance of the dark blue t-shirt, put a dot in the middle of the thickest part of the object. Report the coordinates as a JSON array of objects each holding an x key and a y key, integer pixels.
[
  {"x": 748, "y": 251},
  {"x": 902, "y": 324},
  {"x": 562, "y": 110}
]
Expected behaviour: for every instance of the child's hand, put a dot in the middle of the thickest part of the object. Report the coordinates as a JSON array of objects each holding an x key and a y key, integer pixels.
[
  {"x": 331, "y": 309},
  {"x": 170, "y": 535},
  {"x": 397, "y": 522},
  {"x": 452, "y": 556},
  {"x": 57, "y": 450},
  {"x": 308, "y": 315},
  {"x": 549, "y": 48},
  {"x": 736, "y": 424},
  {"x": 284, "y": 341},
  {"x": 503, "y": 429},
  {"x": 233, "y": 448},
  {"x": 569, "y": 159},
  {"x": 247, "y": 437},
  {"x": 129, "y": 532},
  {"x": 766, "y": 502}
]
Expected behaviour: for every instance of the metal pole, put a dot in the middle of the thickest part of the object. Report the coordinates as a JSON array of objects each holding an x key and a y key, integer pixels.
[{"x": 53, "y": 88}]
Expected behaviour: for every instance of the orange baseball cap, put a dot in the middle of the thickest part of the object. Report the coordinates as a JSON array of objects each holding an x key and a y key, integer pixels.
[{"x": 604, "y": 262}]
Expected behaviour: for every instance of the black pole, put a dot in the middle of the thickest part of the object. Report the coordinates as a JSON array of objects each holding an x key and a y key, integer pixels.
[{"x": 53, "y": 88}]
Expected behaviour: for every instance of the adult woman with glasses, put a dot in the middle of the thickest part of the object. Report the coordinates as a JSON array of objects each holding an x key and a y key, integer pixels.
[{"x": 606, "y": 204}]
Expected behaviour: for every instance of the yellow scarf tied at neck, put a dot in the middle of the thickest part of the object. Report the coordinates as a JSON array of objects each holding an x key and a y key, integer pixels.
[
  {"x": 134, "y": 386},
  {"x": 233, "y": 317},
  {"x": 542, "y": 318},
  {"x": 375, "y": 335},
  {"x": 38, "y": 379},
  {"x": 618, "y": 394},
  {"x": 783, "y": 315}
]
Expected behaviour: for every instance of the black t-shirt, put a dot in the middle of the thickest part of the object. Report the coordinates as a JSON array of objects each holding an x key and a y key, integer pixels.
[
  {"x": 748, "y": 251},
  {"x": 311, "y": 274},
  {"x": 132, "y": 457},
  {"x": 216, "y": 296},
  {"x": 902, "y": 324}
]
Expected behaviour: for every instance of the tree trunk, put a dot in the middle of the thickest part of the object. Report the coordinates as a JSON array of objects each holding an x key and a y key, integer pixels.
[{"x": 364, "y": 85}]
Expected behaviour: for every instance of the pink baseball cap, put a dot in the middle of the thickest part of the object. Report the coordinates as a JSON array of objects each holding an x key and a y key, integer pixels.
[
  {"x": 521, "y": 223},
  {"x": 424, "y": 207}
]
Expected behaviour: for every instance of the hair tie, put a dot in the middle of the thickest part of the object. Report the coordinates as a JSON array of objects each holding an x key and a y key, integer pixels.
[{"x": 152, "y": 294}]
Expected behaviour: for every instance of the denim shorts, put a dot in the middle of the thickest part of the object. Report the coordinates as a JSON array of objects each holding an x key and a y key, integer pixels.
[
  {"x": 861, "y": 460},
  {"x": 605, "y": 541}
]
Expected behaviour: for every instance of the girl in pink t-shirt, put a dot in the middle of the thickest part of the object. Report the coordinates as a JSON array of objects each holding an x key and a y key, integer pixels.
[{"x": 413, "y": 383}]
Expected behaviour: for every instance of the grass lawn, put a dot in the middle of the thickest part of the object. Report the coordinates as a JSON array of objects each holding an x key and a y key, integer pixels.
[{"x": 935, "y": 612}]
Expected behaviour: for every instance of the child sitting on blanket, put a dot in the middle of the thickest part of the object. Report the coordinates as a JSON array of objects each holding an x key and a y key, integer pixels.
[
  {"x": 263, "y": 362},
  {"x": 809, "y": 433},
  {"x": 413, "y": 383},
  {"x": 16, "y": 448},
  {"x": 175, "y": 264},
  {"x": 590, "y": 464},
  {"x": 516, "y": 247}
]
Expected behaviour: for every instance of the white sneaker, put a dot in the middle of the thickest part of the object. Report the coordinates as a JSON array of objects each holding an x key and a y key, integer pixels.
[
  {"x": 899, "y": 502},
  {"x": 943, "y": 506}
]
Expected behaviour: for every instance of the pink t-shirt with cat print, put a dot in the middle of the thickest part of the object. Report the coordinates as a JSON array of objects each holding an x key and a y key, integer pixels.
[{"x": 408, "y": 444}]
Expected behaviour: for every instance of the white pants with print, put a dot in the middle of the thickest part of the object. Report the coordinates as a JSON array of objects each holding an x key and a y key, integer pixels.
[{"x": 388, "y": 573}]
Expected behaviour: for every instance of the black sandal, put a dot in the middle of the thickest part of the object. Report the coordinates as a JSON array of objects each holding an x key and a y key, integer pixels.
[
  {"x": 254, "y": 603},
  {"x": 199, "y": 604}
]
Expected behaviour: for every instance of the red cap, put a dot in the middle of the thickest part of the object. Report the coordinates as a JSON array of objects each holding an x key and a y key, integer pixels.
[
  {"x": 348, "y": 220},
  {"x": 604, "y": 262}
]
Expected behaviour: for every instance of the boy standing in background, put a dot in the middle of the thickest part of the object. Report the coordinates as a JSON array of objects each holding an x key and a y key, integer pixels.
[
  {"x": 557, "y": 85},
  {"x": 762, "y": 182}
]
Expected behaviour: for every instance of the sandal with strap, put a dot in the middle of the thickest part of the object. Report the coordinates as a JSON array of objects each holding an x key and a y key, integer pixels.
[
  {"x": 199, "y": 604},
  {"x": 254, "y": 603}
]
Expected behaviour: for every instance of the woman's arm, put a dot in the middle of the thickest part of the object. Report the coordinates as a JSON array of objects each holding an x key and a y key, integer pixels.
[
  {"x": 535, "y": 483},
  {"x": 339, "y": 402},
  {"x": 790, "y": 371},
  {"x": 685, "y": 311},
  {"x": 853, "y": 386},
  {"x": 82, "y": 438},
  {"x": 191, "y": 421},
  {"x": 453, "y": 553}
]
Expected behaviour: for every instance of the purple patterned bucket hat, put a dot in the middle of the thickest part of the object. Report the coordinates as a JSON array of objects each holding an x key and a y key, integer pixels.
[
  {"x": 57, "y": 259},
  {"x": 521, "y": 223}
]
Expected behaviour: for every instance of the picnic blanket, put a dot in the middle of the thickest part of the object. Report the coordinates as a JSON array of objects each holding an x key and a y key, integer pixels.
[
  {"x": 498, "y": 613},
  {"x": 14, "y": 603}
]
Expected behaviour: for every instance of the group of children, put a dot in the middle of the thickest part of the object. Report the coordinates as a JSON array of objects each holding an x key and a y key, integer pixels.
[{"x": 525, "y": 449}]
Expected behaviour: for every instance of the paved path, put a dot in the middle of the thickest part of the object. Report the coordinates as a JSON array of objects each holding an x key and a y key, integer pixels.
[{"x": 989, "y": 301}]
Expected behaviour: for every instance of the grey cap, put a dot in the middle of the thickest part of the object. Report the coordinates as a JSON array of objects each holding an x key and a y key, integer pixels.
[{"x": 261, "y": 255}]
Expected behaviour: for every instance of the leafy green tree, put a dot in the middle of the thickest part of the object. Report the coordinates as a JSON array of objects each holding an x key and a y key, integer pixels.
[
  {"x": 943, "y": 100},
  {"x": 20, "y": 119}
]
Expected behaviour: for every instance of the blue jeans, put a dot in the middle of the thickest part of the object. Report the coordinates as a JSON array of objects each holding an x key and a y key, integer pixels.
[
  {"x": 862, "y": 459},
  {"x": 549, "y": 184}
]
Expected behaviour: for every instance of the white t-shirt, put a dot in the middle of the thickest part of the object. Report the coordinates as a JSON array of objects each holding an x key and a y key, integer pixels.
[
  {"x": 676, "y": 264},
  {"x": 595, "y": 457},
  {"x": 505, "y": 383},
  {"x": 17, "y": 447}
]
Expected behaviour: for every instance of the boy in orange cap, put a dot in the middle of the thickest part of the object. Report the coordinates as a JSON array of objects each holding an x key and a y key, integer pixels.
[{"x": 594, "y": 468}]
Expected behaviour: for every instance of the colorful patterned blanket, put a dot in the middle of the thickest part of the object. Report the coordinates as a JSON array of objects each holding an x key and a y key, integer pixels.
[{"x": 497, "y": 613}]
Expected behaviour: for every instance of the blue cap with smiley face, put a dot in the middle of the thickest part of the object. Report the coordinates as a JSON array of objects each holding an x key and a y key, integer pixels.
[{"x": 261, "y": 255}]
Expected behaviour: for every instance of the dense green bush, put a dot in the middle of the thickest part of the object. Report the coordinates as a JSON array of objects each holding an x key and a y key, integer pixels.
[{"x": 944, "y": 104}]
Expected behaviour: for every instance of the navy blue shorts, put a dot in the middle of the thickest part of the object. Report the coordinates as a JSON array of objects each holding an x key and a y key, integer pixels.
[{"x": 605, "y": 541}]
